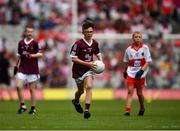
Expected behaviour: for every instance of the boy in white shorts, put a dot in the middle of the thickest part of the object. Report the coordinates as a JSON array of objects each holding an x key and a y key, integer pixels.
[{"x": 27, "y": 68}]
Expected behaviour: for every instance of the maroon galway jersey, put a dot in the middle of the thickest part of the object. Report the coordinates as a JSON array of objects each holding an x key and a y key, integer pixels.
[
  {"x": 28, "y": 66},
  {"x": 85, "y": 52}
]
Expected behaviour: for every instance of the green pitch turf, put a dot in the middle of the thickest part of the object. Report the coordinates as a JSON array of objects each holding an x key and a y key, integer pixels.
[{"x": 106, "y": 115}]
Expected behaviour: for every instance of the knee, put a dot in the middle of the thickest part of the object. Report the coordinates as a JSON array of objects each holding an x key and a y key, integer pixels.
[
  {"x": 31, "y": 89},
  {"x": 88, "y": 87},
  {"x": 130, "y": 93},
  {"x": 139, "y": 94},
  {"x": 18, "y": 88}
]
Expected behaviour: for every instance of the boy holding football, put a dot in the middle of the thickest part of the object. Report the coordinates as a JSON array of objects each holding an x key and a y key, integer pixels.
[
  {"x": 82, "y": 53},
  {"x": 137, "y": 58}
]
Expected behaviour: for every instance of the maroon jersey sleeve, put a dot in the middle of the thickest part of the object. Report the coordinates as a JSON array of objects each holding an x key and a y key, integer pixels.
[
  {"x": 96, "y": 51},
  {"x": 74, "y": 50},
  {"x": 19, "y": 48}
]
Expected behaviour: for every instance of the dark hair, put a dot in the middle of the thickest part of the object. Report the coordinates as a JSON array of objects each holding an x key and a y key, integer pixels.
[
  {"x": 87, "y": 24},
  {"x": 29, "y": 26}
]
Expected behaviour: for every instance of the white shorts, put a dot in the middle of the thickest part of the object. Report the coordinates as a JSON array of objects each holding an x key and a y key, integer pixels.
[
  {"x": 81, "y": 79},
  {"x": 28, "y": 78}
]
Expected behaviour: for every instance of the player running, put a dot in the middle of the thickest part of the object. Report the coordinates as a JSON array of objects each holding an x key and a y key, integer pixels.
[{"x": 82, "y": 56}]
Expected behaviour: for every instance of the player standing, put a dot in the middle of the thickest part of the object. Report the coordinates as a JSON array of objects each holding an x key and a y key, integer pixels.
[
  {"x": 82, "y": 57},
  {"x": 137, "y": 58},
  {"x": 27, "y": 68}
]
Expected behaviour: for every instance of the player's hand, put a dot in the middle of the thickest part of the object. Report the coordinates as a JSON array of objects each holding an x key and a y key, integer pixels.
[
  {"x": 139, "y": 74},
  {"x": 92, "y": 65},
  {"x": 15, "y": 70},
  {"x": 125, "y": 74},
  {"x": 26, "y": 55}
]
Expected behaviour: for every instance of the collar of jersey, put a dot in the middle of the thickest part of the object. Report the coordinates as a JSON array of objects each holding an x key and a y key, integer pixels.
[
  {"x": 27, "y": 42},
  {"x": 89, "y": 44},
  {"x": 133, "y": 46}
]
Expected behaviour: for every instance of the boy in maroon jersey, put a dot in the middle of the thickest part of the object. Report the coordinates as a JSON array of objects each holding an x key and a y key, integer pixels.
[
  {"x": 27, "y": 68},
  {"x": 82, "y": 57}
]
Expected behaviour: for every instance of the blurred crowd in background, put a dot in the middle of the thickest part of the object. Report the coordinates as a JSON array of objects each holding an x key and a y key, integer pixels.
[{"x": 52, "y": 20}]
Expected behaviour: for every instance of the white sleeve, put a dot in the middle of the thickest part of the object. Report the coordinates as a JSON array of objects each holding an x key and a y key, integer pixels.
[
  {"x": 148, "y": 55},
  {"x": 125, "y": 59}
]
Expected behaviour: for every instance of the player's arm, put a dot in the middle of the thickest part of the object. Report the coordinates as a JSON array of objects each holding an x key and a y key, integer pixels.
[
  {"x": 81, "y": 62},
  {"x": 148, "y": 59},
  {"x": 29, "y": 56},
  {"x": 38, "y": 50},
  {"x": 141, "y": 71},
  {"x": 37, "y": 55},
  {"x": 17, "y": 65},
  {"x": 125, "y": 70},
  {"x": 98, "y": 53},
  {"x": 125, "y": 60},
  {"x": 99, "y": 56},
  {"x": 18, "y": 60},
  {"x": 145, "y": 66}
]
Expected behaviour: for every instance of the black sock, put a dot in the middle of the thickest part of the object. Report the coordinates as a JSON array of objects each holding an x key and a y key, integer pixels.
[
  {"x": 22, "y": 104},
  {"x": 32, "y": 107},
  {"x": 76, "y": 100},
  {"x": 87, "y": 106}
]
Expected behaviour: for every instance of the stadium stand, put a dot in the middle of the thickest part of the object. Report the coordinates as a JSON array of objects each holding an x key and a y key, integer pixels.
[{"x": 53, "y": 22}]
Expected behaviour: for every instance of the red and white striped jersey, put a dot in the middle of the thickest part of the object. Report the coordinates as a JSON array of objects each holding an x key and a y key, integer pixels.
[{"x": 136, "y": 58}]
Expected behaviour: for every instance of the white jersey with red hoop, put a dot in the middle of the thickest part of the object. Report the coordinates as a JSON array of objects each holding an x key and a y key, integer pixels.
[{"x": 136, "y": 59}]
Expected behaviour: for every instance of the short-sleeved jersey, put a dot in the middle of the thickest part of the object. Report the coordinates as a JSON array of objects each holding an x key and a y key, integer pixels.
[
  {"x": 28, "y": 66},
  {"x": 136, "y": 59},
  {"x": 84, "y": 51}
]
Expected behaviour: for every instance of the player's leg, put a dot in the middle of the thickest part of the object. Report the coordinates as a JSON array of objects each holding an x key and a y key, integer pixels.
[
  {"x": 129, "y": 99},
  {"x": 130, "y": 87},
  {"x": 80, "y": 91},
  {"x": 32, "y": 88},
  {"x": 88, "y": 82},
  {"x": 140, "y": 95},
  {"x": 78, "y": 94},
  {"x": 32, "y": 80},
  {"x": 141, "y": 101},
  {"x": 19, "y": 86}
]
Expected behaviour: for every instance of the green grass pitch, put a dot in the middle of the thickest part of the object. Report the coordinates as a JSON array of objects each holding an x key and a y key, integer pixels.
[{"x": 106, "y": 115}]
